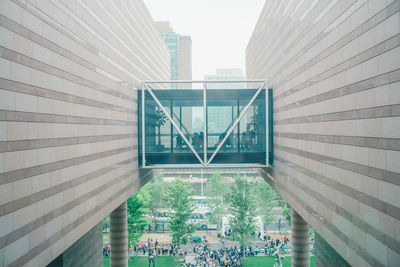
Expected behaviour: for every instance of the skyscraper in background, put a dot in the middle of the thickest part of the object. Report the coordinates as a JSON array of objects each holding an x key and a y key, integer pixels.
[
  {"x": 180, "y": 47},
  {"x": 226, "y": 74},
  {"x": 185, "y": 60}
]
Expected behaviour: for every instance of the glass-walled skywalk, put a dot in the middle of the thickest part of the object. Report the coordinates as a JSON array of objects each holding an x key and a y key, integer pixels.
[{"x": 205, "y": 127}]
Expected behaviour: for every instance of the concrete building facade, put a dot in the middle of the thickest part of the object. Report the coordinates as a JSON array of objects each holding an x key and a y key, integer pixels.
[
  {"x": 334, "y": 70},
  {"x": 69, "y": 71}
]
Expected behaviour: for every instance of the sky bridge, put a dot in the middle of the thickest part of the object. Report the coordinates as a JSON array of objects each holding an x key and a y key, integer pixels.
[{"x": 222, "y": 124}]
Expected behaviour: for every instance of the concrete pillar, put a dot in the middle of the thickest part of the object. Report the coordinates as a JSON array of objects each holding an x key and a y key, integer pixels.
[
  {"x": 300, "y": 241},
  {"x": 119, "y": 237}
]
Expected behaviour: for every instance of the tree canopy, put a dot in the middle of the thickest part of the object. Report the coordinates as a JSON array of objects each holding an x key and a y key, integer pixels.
[
  {"x": 136, "y": 208},
  {"x": 243, "y": 211},
  {"x": 156, "y": 202},
  {"x": 267, "y": 199},
  {"x": 179, "y": 201},
  {"x": 217, "y": 193}
]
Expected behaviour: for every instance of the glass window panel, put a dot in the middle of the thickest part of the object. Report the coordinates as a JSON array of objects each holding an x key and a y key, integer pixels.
[
  {"x": 246, "y": 144},
  {"x": 252, "y": 127},
  {"x": 158, "y": 127},
  {"x": 188, "y": 115},
  {"x": 220, "y": 116}
]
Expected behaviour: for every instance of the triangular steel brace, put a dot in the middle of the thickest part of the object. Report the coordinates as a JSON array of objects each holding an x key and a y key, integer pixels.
[{"x": 203, "y": 162}]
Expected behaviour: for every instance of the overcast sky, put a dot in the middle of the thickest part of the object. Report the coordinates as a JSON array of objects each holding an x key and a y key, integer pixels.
[{"x": 220, "y": 29}]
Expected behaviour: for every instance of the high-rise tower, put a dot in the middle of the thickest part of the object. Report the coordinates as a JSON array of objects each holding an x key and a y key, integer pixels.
[{"x": 180, "y": 48}]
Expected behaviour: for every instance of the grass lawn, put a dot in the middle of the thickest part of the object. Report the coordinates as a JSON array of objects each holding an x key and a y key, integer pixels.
[
  {"x": 166, "y": 261},
  {"x": 269, "y": 261},
  {"x": 144, "y": 261}
]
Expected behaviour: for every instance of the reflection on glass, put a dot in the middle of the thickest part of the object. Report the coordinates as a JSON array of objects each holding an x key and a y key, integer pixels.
[
  {"x": 221, "y": 115},
  {"x": 245, "y": 144},
  {"x": 188, "y": 115},
  {"x": 158, "y": 128},
  {"x": 252, "y": 127}
]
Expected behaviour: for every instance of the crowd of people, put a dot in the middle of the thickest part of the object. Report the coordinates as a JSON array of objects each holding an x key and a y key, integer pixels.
[
  {"x": 143, "y": 249},
  {"x": 106, "y": 249},
  {"x": 206, "y": 257},
  {"x": 231, "y": 256},
  {"x": 159, "y": 249},
  {"x": 272, "y": 247},
  {"x": 202, "y": 255}
]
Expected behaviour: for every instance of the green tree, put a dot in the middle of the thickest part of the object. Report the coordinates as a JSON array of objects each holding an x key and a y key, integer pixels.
[
  {"x": 156, "y": 202},
  {"x": 267, "y": 200},
  {"x": 287, "y": 212},
  {"x": 179, "y": 201},
  {"x": 106, "y": 223},
  {"x": 217, "y": 193},
  {"x": 243, "y": 211},
  {"x": 136, "y": 206}
]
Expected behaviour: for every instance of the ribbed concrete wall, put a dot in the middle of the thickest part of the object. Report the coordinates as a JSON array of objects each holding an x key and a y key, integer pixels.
[
  {"x": 68, "y": 118},
  {"x": 334, "y": 67}
]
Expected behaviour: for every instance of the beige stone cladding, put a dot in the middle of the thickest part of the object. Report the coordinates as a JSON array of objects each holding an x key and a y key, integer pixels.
[
  {"x": 334, "y": 69},
  {"x": 69, "y": 71}
]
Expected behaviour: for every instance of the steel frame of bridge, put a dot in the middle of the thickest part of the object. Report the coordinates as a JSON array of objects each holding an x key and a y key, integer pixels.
[{"x": 205, "y": 162}]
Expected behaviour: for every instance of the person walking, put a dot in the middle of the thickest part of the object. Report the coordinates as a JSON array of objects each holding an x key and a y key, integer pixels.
[{"x": 152, "y": 257}]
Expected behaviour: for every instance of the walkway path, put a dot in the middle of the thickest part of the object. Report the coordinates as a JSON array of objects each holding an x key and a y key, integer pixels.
[{"x": 190, "y": 259}]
